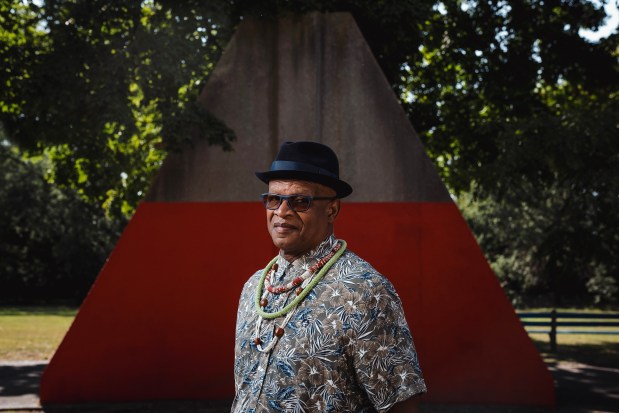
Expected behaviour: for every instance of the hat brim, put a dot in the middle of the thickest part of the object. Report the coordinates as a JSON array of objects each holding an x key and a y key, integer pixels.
[{"x": 342, "y": 189}]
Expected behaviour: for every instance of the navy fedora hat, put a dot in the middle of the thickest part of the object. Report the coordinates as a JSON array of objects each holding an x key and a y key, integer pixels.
[{"x": 307, "y": 161}]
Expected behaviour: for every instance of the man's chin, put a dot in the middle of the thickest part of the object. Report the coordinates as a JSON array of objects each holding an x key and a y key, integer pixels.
[{"x": 282, "y": 243}]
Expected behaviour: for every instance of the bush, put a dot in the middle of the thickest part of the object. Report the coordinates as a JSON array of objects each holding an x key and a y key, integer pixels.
[{"x": 52, "y": 243}]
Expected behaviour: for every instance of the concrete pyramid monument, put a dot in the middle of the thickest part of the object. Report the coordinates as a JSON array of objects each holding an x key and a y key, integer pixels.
[{"x": 159, "y": 321}]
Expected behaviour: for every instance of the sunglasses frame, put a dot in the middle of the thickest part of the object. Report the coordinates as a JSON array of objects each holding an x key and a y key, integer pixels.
[{"x": 287, "y": 198}]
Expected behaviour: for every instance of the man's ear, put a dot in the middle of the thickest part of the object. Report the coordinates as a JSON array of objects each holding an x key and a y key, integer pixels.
[{"x": 333, "y": 210}]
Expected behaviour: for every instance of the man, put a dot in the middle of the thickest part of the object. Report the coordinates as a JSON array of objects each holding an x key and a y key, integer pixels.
[{"x": 319, "y": 329}]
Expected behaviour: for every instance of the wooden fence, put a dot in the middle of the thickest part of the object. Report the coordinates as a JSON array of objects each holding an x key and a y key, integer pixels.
[{"x": 568, "y": 322}]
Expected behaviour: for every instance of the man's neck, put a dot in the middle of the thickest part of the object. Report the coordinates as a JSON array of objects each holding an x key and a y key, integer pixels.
[{"x": 290, "y": 257}]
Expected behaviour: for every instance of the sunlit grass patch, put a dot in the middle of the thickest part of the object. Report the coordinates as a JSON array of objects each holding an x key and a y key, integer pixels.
[{"x": 32, "y": 333}]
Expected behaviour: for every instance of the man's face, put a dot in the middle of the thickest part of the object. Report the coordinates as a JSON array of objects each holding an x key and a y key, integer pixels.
[{"x": 296, "y": 233}]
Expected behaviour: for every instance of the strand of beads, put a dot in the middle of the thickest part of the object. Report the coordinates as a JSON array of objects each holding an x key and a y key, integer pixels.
[
  {"x": 306, "y": 286},
  {"x": 302, "y": 294},
  {"x": 279, "y": 332},
  {"x": 298, "y": 280}
]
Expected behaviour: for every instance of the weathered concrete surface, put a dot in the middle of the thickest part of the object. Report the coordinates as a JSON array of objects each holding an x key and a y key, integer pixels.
[{"x": 305, "y": 78}]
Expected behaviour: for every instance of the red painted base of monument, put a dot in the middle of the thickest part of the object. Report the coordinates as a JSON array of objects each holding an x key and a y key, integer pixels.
[{"x": 158, "y": 323}]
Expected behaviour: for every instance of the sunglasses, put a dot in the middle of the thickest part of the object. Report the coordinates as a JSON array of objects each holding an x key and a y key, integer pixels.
[{"x": 298, "y": 203}]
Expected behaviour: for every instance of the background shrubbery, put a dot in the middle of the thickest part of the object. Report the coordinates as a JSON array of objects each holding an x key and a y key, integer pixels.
[{"x": 53, "y": 242}]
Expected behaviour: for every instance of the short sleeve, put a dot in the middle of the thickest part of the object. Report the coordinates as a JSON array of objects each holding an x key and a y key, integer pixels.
[{"x": 382, "y": 348}]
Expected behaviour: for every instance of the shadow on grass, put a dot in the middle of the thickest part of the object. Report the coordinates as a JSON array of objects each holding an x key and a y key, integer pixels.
[{"x": 605, "y": 355}]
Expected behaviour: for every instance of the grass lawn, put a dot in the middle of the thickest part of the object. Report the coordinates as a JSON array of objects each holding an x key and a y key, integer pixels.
[
  {"x": 600, "y": 350},
  {"x": 32, "y": 333}
]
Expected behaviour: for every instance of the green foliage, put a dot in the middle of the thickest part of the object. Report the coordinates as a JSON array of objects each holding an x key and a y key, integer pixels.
[
  {"x": 541, "y": 252},
  {"x": 53, "y": 243},
  {"x": 96, "y": 92},
  {"x": 519, "y": 113},
  {"x": 546, "y": 202},
  {"x": 102, "y": 88},
  {"x": 479, "y": 93},
  {"x": 517, "y": 110}
]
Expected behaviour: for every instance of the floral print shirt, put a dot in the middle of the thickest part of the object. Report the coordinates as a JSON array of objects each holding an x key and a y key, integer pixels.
[{"x": 347, "y": 348}]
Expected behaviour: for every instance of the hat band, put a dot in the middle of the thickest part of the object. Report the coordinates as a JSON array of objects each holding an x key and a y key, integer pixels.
[{"x": 302, "y": 167}]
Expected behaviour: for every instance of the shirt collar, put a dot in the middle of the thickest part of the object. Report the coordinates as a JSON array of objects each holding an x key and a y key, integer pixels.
[{"x": 308, "y": 259}]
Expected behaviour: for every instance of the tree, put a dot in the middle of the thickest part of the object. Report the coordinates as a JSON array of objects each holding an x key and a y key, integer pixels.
[
  {"x": 97, "y": 85},
  {"x": 486, "y": 71},
  {"x": 97, "y": 92},
  {"x": 519, "y": 113},
  {"x": 106, "y": 88},
  {"x": 53, "y": 242},
  {"x": 516, "y": 109}
]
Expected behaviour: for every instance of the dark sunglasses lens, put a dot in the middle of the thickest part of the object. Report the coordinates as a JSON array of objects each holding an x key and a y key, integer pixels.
[
  {"x": 271, "y": 201},
  {"x": 300, "y": 203}
]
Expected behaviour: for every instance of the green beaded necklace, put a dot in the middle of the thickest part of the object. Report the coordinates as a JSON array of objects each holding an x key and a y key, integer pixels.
[{"x": 305, "y": 291}]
